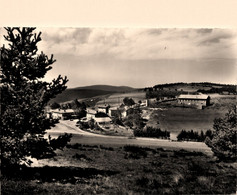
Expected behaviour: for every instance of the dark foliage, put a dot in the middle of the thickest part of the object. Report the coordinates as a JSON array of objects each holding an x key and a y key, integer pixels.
[
  {"x": 228, "y": 89},
  {"x": 194, "y": 136},
  {"x": 24, "y": 97},
  {"x": 135, "y": 152},
  {"x": 223, "y": 143},
  {"x": 128, "y": 101},
  {"x": 54, "y": 105},
  {"x": 134, "y": 119},
  {"x": 152, "y": 132},
  {"x": 117, "y": 119},
  {"x": 52, "y": 174}
]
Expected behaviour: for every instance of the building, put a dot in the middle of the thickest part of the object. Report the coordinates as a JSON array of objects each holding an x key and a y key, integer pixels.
[
  {"x": 104, "y": 108},
  {"x": 61, "y": 113},
  {"x": 198, "y": 101},
  {"x": 90, "y": 113},
  {"x": 118, "y": 111},
  {"x": 103, "y": 120},
  {"x": 113, "y": 111}
]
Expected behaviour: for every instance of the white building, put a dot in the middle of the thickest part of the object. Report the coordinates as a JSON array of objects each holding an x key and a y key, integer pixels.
[
  {"x": 60, "y": 113},
  {"x": 199, "y": 100},
  {"x": 90, "y": 113}
]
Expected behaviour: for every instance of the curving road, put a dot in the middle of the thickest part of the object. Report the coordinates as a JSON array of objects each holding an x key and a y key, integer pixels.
[{"x": 83, "y": 137}]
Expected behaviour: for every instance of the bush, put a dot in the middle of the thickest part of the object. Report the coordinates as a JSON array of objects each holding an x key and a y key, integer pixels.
[
  {"x": 152, "y": 132},
  {"x": 54, "y": 105},
  {"x": 135, "y": 152},
  {"x": 223, "y": 143},
  {"x": 194, "y": 136}
]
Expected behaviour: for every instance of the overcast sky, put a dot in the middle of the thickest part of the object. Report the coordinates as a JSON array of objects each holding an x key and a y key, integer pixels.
[{"x": 140, "y": 57}]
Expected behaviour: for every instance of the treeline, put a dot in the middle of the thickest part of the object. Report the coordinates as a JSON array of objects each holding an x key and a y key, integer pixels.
[
  {"x": 169, "y": 85},
  {"x": 204, "y": 84},
  {"x": 194, "y": 136},
  {"x": 229, "y": 89},
  {"x": 151, "y": 132}
]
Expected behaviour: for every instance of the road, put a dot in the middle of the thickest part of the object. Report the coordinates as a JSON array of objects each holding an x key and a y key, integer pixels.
[{"x": 82, "y": 137}]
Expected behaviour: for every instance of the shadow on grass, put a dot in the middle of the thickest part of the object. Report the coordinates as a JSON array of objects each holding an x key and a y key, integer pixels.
[{"x": 55, "y": 174}]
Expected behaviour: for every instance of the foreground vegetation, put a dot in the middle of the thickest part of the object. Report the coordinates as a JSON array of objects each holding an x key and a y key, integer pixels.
[{"x": 96, "y": 169}]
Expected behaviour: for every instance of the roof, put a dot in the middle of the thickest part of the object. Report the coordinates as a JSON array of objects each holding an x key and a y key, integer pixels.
[
  {"x": 114, "y": 108},
  {"x": 91, "y": 111},
  {"x": 199, "y": 97},
  {"x": 62, "y": 111},
  {"x": 102, "y": 120},
  {"x": 103, "y": 106},
  {"x": 101, "y": 114}
]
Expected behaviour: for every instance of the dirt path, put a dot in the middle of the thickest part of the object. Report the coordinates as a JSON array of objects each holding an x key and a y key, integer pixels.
[{"x": 83, "y": 137}]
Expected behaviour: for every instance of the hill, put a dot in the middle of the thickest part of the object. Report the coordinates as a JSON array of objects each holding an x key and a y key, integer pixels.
[
  {"x": 107, "y": 88},
  {"x": 89, "y": 91},
  {"x": 203, "y": 87}
]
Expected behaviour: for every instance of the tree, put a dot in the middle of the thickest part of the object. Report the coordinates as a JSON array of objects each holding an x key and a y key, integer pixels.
[
  {"x": 55, "y": 105},
  {"x": 128, "y": 101},
  {"x": 24, "y": 97},
  {"x": 223, "y": 142}
]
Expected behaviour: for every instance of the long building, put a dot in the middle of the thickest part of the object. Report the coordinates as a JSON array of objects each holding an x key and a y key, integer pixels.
[{"x": 199, "y": 100}]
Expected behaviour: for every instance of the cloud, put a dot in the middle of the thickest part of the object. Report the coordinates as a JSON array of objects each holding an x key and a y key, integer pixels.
[
  {"x": 141, "y": 43},
  {"x": 204, "y": 31},
  {"x": 217, "y": 36}
]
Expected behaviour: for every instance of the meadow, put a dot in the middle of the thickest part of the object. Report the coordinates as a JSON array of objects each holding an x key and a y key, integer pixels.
[
  {"x": 117, "y": 98},
  {"x": 96, "y": 169}
]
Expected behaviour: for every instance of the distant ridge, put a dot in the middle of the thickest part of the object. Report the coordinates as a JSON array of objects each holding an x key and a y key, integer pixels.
[{"x": 107, "y": 88}]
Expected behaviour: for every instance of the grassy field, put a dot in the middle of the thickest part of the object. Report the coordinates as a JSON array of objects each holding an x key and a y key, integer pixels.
[
  {"x": 117, "y": 98},
  {"x": 174, "y": 119},
  {"x": 96, "y": 169}
]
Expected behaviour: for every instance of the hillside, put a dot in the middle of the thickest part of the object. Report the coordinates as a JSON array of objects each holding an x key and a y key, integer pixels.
[
  {"x": 203, "y": 87},
  {"x": 108, "y": 88},
  {"x": 88, "y": 92}
]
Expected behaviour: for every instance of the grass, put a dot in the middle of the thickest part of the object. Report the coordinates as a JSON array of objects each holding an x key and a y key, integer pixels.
[
  {"x": 175, "y": 119},
  {"x": 124, "y": 170},
  {"x": 117, "y": 98}
]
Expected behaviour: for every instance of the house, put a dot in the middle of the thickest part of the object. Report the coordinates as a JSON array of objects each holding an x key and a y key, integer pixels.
[
  {"x": 104, "y": 108},
  {"x": 144, "y": 103},
  {"x": 90, "y": 113},
  {"x": 199, "y": 100},
  {"x": 113, "y": 111},
  {"x": 102, "y": 118},
  {"x": 61, "y": 113}
]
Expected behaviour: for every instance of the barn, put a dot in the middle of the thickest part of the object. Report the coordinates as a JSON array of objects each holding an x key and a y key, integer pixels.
[{"x": 198, "y": 101}]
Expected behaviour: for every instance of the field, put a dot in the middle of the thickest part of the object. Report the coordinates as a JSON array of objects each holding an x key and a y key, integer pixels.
[
  {"x": 96, "y": 169},
  {"x": 117, "y": 98},
  {"x": 174, "y": 119}
]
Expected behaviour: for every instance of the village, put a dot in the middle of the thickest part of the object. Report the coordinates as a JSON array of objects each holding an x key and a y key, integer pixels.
[
  {"x": 122, "y": 118},
  {"x": 127, "y": 111}
]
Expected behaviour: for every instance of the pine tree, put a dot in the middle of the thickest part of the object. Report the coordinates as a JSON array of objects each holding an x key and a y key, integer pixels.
[
  {"x": 223, "y": 142},
  {"x": 23, "y": 98}
]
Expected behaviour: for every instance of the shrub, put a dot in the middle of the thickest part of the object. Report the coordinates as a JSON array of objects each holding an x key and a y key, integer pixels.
[
  {"x": 152, "y": 132},
  {"x": 223, "y": 143},
  {"x": 194, "y": 136}
]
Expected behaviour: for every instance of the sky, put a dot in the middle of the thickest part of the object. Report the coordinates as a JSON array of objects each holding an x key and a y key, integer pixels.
[{"x": 140, "y": 57}]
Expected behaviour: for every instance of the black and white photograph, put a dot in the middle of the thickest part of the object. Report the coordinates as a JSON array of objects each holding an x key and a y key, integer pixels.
[{"x": 118, "y": 110}]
